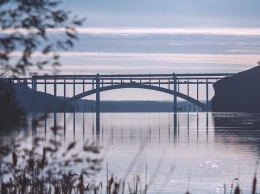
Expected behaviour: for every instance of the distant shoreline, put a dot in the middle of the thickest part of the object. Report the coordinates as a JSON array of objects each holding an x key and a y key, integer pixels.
[{"x": 83, "y": 105}]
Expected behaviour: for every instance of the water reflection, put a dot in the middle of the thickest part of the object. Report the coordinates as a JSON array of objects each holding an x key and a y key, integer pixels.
[
  {"x": 12, "y": 114},
  {"x": 86, "y": 121},
  {"x": 235, "y": 128},
  {"x": 10, "y": 127},
  {"x": 238, "y": 129},
  {"x": 86, "y": 125},
  {"x": 208, "y": 148}
]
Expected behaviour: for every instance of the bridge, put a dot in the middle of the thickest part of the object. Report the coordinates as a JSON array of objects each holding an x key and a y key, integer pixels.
[{"x": 95, "y": 84}]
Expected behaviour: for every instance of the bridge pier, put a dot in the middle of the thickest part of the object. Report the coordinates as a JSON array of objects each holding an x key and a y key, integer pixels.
[
  {"x": 175, "y": 97},
  {"x": 207, "y": 95},
  {"x": 25, "y": 82},
  {"x": 188, "y": 87},
  {"x": 97, "y": 105},
  {"x": 45, "y": 86},
  {"x": 83, "y": 86},
  {"x": 55, "y": 87},
  {"x": 34, "y": 84},
  {"x": 97, "y": 97},
  {"x": 197, "y": 89},
  {"x": 74, "y": 87},
  {"x": 64, "y": 89}
]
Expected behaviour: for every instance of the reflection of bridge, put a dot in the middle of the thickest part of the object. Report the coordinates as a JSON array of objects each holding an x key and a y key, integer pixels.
[{"x": 167, "y": 83}]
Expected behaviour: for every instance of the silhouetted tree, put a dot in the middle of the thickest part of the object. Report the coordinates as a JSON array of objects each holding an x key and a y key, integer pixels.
[
  {"x": 11, "y": 113},
  {"x": 28, "y": 27}
]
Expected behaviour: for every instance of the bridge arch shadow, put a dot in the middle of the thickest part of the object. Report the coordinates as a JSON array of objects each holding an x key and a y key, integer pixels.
[{"x": 140, "y": 86}]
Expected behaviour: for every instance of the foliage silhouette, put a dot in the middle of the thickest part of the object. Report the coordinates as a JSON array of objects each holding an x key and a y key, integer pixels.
[
  {"x": 12, "y": 114},
  {"x": 49, "y": 168},
  {"x": 27, "y": 27}
]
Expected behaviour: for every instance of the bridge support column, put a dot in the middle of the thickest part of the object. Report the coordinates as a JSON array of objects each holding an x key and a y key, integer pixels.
[
  {"x": 25, "y": 82},
  {"x": 34, "y": 84},
  {"x": 83, "y": 85},
  {"x": 64, "y": 89},
  {"x": 45, "y": 86},
  {"x": 197, "y": 89},
  {"x": 207, "y": 95},
  {"x": 74, "y": 87},
  {"x": 97, "y": 97},
  {"x": 188, "y": 87},
  {"x": 175, "y": 96},
  {"x": 55, "y": 87}
]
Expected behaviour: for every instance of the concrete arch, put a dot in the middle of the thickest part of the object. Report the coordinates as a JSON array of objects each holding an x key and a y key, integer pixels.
[{"x": 141, "y": 86}]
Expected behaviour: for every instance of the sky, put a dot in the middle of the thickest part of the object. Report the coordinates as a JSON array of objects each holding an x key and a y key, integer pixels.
[
  {"x": 167, "y": 13},
  {"x": 152, "y": 36},
  {"x": 163, "y": 36}
]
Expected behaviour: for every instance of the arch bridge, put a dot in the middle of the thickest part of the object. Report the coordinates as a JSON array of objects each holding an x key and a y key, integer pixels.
[{"x": 172, "y": 84}]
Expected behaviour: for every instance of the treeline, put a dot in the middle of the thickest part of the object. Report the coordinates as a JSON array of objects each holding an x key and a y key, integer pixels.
[{"x": 132, "y": 106}]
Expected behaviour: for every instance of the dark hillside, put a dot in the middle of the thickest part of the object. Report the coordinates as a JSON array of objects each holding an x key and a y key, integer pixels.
[
  {"x": 39, "y": 101},
  {"x": 238, "y": 93}
]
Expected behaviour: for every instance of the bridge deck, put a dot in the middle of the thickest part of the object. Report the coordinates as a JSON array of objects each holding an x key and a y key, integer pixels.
[
  {"x": 167, "y": 83},
  {"x": 156, "y": 76}
]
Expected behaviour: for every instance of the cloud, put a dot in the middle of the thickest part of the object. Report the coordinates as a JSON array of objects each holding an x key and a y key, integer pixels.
[
  {"x": 243, "y": 59},
  {"x": 154, "y": 31},
  {"x": 120, "y": 63},
  {"x": 154, "y": 62},
  {"x": 167, "y": 57},
  {"x": 171, "y": 31}
]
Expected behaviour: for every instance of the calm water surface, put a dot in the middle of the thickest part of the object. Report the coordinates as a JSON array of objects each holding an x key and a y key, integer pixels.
[{"x": 199, "y": 152}]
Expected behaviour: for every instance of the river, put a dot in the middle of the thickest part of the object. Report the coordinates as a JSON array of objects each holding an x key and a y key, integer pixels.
[{"x": 198, "y": 152}]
